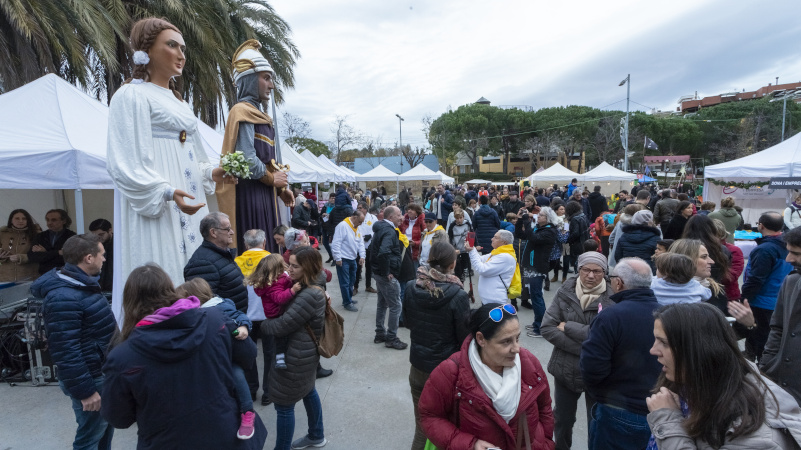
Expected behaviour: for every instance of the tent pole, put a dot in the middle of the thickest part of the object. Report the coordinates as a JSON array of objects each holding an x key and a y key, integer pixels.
[{"x": 79, "y": 211}]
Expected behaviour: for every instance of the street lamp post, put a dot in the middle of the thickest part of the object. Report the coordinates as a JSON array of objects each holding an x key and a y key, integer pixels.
[
  {"x": 791, "y": 94},
  {"x": 627, "y": 82},
  {"x": 400, "y": 137}
]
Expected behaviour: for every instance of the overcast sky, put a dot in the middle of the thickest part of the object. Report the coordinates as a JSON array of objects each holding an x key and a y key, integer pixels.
[{"x": 369, "y": 59}]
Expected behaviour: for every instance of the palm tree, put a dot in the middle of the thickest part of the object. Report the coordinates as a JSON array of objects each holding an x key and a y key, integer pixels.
[{"x": 98, "y": 56}]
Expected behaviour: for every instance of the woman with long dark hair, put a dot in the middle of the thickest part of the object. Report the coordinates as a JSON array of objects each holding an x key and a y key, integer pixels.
[
  {"x": 676, "y": 225},
  {"x": 170, "y": 371},
  {"x": 16, "y": 239},
  {"x": 703, "y": 229},
  {"x": 709, "y": 395}
]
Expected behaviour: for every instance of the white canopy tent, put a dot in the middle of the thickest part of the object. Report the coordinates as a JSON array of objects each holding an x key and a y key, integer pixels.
[
  {"x": 556, "y": 172},
  {"x": 325, "y": 162},
  {"x": 379, "y": 173},
  {"x": 781, "y": 160},
  {"x": 326, "y": 173},
  {"x": 419, "y": 173},
  {"x": 446, "y": 179},
  {"x": 300, "y": 171},
  {"x": 478, "y": 181},
  {"x": 611, "y": 179}
]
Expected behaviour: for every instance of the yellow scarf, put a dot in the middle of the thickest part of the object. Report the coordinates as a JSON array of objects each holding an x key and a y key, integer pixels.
[
  {"x": 515, "y": 287},
  {"x": 248, "y": 260},
  {"x": 350, "y": 224},
  {"x": 508, "y": 249},
  {"x": 403, "y": 238},
  {"x": 439, "y": 227}
]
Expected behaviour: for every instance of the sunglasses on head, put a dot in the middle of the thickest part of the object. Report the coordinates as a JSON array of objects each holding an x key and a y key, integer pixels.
[{"x": 496, "y": 314}]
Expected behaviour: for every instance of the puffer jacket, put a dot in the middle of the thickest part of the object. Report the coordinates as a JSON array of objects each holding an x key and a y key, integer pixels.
[
  {"x": 539, "y": 241},
  {"x": 731, "y": 218},
  {"x": 566, "y": 307},
  {"x": 639, "y": 241},
  {"x": 174, "y": 380},
  {"x": 732, "y": 284},
  {"x": 781, "y": 429},
  {"x": 79, "y": 325},
  {"x": 765, "y": 272},
  {"x": 216, "y": 265},
  {"x": 437, "y": 324},
  {"x": 290, "y": 385},
  {"x": 453, "y": 393},
  {"x": 385, "y": 250},
  {"x": 49, "y": 259},
  {"x": 578, "y": 233},
  {"x": 417, "y": 232},
  {"x": 18, "y": 243},
  {"x": 486, "y": 223},
  {"x": 301, "y": 217}
]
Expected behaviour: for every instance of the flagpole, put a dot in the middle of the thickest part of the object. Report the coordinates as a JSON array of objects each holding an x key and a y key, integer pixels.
[{"x": 628, "y": 96}]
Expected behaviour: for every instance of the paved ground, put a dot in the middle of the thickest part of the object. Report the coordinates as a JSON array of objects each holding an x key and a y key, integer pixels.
[{"x": 366, "y": 402}]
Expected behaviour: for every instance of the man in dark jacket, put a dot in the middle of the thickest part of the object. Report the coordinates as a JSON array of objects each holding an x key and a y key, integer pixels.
[
  {"x": 486, "y": 222},
  {"x": 213, "y": 261},
  {"x": 598, "y": 203},
  {"x": 616, "y": 365},
  {"x": 513, "y": 205},
  {"x": 301, "y": 215},
  {"x": 639, "y": 239},
  {"x": 442, "y": 205},
  {"x": 79, "y": 325},
  {"x": 47, "y": 245},
  {"x": 386, "y": 249},
  {"x": 495, "y": 205},
  {"x": 763, "y": 278},
  {"x": 781, "y": 359},
  {"x": 665, "y": 209}
]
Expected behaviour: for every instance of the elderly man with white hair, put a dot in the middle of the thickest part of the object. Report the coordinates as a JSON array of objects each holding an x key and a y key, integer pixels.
[{"x": 496, "y": 269}]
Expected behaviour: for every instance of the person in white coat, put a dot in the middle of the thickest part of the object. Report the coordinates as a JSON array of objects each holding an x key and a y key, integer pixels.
[
  {"x": 495, "y": 270},
  {"x": 348, "y": 251},
  {"x": 792, "y": 214},
  {"x": 433, "y": 230}
]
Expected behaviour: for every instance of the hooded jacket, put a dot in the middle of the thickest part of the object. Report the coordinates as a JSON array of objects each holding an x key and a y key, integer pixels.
[
  {"x": 174, "y": 380},
  {"x": 248, "y": 260},
  {"x": 437, "y": 324},
  {"x": 539, "y": 243},
  {"x": 639, "y": 241},
  {"x": 578, "y": 233},
  {"x": 216, "y": 265},
  {"x": 453, "y": 391},
  {"x": 731, "y": 218},
  {"x": 615, "y": 360},
  {"x": 79, "y": 325},
  {"x": 486, "y": 223},
  {"x": 566, "y": 307},
  {"x": 765, "y": 272},
  {"x": 668, "y": 293}
]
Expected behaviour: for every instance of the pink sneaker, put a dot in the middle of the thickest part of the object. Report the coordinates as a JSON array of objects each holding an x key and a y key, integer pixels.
[{"x": 246, "y": 428}]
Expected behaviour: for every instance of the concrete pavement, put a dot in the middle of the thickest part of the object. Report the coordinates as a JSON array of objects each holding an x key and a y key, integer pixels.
[{"x": 366, "y": 402}]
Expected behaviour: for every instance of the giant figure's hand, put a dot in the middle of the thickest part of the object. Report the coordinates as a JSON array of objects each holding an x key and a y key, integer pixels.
[
  {"x": 178, "y": 197},
  {"x": 219, "y": 175},
  {"x": 287, "y": 197},
  {"x": 280, "y": 180}
]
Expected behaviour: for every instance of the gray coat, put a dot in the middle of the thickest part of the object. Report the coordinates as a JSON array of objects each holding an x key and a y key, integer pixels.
[
  {"x": 781, "y": 360},
  {"x": 290, "y": 385},
  {"x": 566, "y": 307},
  {"x": 666, "y": 426}
]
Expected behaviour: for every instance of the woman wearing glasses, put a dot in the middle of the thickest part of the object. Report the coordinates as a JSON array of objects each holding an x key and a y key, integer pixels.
[
  {"x": 492, "y": 393},
  {"x": 566, "y": 325}
]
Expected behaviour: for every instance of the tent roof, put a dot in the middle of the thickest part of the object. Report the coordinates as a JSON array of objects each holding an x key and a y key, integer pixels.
[
  {"x": 781, "y": 160},
  {"x": 419, "y": 172},
  {"x": 556, "y": 172},
  {"x": 325, "y": 162},
  {"x": 477, "y": 181},
  {"x": 326, "y": 173},
  {"x": 379, "y": 173},
  {"x": 605, "y": 172},
  {"x": 445, "y": 178}
]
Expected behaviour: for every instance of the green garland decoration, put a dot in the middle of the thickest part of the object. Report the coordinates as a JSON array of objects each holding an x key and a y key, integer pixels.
[{"x": 747, "y": 185}]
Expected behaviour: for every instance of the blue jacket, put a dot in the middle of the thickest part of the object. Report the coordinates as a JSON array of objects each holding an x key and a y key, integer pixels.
[
  {"x": 615, "y": 362},
  {"x": 570, "y": 188},
  {"x": 639, "y": 241},
  {"x": 79, "y": 325},
  {"x": 230, "y": 312},
  {"x": 486, "y": 223},
  {"x": 470, "y": 195},
  {"x": 765, "y": 272},
  {"x": 508, "y": 226},
  {"x": 447, "y": 203},
  {"x": 216, "y": 265},
  {"x": 174, "y": 379}
]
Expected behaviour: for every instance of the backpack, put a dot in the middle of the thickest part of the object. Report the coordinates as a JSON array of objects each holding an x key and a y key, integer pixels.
[
  {"x": 333, "y": 337},
  {"x": 515, "y": 288}
]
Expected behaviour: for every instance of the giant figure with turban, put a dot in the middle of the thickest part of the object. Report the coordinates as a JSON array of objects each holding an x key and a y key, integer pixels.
[{"x": 253, "y": 203}]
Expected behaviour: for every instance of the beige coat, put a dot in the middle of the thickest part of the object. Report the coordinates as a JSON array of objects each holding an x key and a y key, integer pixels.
[{"x": 19, "y": 244}]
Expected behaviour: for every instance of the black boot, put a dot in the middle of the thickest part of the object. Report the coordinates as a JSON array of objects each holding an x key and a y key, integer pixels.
[
  {"x": 526, "y": 304},
  {"x": 547, "y": 284}
]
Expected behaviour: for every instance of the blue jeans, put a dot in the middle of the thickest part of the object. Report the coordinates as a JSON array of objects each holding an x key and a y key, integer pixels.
[
  {"x": 537, "y": 300},
  {"x": 618, "y": 429},
  {"x": 93, "y": 431},
  {"x": 286, "y": 420},
  {"x": 242, "y": 389},
  {"x": 346, "y": 274}
]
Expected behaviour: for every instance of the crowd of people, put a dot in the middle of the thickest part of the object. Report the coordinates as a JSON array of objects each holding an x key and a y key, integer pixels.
[{"x": 645, "y": 320}]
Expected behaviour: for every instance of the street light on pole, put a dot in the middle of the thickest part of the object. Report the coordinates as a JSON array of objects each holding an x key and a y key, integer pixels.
[
  {"x": 791, "y": 94},
  {"x": 400, "y": 137},
  {"x": 627, "y": 82}
]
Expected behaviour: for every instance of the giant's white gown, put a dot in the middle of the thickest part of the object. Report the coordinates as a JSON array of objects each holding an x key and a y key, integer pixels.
[{"x": 147, "y": 162}]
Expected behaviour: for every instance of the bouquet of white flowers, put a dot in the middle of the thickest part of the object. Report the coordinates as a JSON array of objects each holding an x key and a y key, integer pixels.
[{"x": 235, "y": 165}]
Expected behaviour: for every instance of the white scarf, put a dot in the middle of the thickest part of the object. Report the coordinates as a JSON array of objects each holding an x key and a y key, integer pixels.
[{"x": 504, "y": 391}]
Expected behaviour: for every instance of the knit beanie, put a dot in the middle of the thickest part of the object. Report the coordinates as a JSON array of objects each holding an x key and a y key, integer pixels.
[
  {"x": 643, "y": 217},
  {"x": 592, "y": 258}
]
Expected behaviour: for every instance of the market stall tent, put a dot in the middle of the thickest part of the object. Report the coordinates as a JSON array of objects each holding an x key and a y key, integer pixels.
[
  {"x": 611, "y": 179},
  {"x": 419, "y": 173},
  {"x": 556, "y": 172},
  {"x": 325, "y": 162},
  {"x": 446, "y": 179},
  {"x": 781, "y": 160},
  {"x": 379, "y": 173}
]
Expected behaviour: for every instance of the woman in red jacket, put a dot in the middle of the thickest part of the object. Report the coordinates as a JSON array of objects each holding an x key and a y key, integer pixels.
[
  {"x": 492, "y": 393},
  {"x": 414, "y": 220}
]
